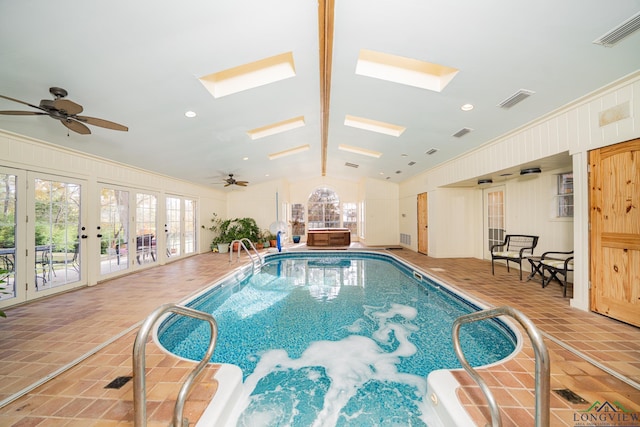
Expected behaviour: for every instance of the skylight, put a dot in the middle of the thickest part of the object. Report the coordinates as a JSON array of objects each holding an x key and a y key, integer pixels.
[
  {"x": 275, "y": 128},
  {"x": 289, "y": 152},
  {"x": 408, "y": 71},
  {"x": 249, "y": 76},
  {"x": 358, "y": 150},
  {"x": 373, "y": 125}
]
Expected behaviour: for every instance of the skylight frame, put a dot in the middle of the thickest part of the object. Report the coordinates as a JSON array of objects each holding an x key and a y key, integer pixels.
[
  {"x": 359, "y": 150},
  {"x": 250, "y": 75},
  {"x": 403, "y": 70},
  {"x": 374, "y": 125},
  {"x": 276, "y": 128}
]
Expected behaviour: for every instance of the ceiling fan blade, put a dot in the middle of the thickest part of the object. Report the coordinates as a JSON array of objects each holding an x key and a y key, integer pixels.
[
  {"x": 76, "y": 126},
  {"x": 23, "y": 113},
  {"x": 22, "y": 102},
  {"x": 242, "y": 183},
  {"x": 67, "y": 106},
  {"x": 227, "y": 184},
  {"x": 102, "y": 123}
]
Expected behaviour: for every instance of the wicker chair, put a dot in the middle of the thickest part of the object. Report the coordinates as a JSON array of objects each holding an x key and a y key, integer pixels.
[{"x": 515, "y": 248}]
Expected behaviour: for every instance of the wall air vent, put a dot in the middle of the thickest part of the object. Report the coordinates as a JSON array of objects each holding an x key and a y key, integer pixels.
[
  {"x": 462, "y": 132},
  {"x": 431, "y": 151},
  {"x": 351, "y": 165},
  {"x": 618, "y": 33},
  {"x": 517, "y": 97}
]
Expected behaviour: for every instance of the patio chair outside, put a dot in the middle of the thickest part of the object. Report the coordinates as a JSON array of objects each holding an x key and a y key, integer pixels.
[{"x": 515, "y": 248}]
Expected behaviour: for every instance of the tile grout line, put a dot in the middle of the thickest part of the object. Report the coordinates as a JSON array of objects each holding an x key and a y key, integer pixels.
[
  {"x": 66, "y": 367},
  {"x": 594, "y": 362}
]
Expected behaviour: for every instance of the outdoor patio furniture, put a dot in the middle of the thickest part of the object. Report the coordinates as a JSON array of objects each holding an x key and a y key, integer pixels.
[
  {"x": 557, "y": 264},
  {"x": 515, "y": 248}
]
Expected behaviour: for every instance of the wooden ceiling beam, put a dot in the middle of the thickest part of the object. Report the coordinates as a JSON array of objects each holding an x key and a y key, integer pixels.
[{"x": 325, "y": 32}]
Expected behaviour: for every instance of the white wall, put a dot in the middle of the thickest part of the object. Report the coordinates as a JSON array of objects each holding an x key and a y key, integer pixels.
[
  {"x": 381, "y": 212},
  {"x": 575, "y": 128}
]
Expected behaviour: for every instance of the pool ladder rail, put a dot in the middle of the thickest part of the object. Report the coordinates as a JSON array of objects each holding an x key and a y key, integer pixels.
[
  {"x": 139, "y": 380},
  {"x": 253, "y": 257},
  {"x": 541, "y": 356}
]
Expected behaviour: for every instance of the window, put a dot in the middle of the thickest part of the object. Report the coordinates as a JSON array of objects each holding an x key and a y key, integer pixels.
[
  {"x": 297, "y": 219},
  {"x": 350, "y": 217},
  {"x": 324, "y": 209},
  {"x": 565, "y": 195}
]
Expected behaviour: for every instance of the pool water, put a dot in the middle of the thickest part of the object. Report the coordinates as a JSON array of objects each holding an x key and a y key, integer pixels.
[{"x": 335, "y": 339}]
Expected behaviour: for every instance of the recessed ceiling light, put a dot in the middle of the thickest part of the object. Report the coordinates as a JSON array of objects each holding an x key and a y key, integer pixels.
[
  {"x": 359, "y": 150},
  {"x": 467, "y": 107},
  {"x": 249, "y": 76},
  {"x": 373, "y": 125},
  {"x": 275, "y": 128},
  {"x": 190, "y": 114},
  {"x": 245, "y": 158},
  {"x": 289, "y": 152},
  {"x": 408, "y": 71}
]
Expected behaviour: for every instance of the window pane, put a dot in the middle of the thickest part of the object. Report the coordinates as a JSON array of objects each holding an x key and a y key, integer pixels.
[{"x": 8, "y": 235}]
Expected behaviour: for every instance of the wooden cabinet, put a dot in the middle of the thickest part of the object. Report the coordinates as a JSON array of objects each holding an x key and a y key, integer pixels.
[{"x": 329, "y": 237}]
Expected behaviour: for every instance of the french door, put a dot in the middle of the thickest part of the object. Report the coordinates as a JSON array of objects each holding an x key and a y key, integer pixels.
[
  {"x": 180, "y": 226},
  {"x": 493, "y": 218}
]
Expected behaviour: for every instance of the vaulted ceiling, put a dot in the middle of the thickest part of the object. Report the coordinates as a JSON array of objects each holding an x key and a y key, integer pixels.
[{"x": 144, "y": 64}]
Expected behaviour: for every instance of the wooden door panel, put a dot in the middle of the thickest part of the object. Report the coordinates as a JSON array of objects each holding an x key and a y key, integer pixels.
[
  {"x": 614, "y": 184},
  {"x": 423, "y": 224}
]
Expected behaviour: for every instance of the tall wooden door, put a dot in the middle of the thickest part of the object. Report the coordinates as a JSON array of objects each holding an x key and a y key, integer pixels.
[
  {"x": 614, "y": 187},
  {"x": 423, "y": 224}
]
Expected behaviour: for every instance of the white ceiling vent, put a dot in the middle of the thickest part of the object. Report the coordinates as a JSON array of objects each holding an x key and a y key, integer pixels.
[
  {"x": 618, "y": 33},
  {"x": 462, "y": 132},
  {"x": 431, "y": 151},
  {"x": 517, "y": 97},
  {"x": 351, "y": 165}
]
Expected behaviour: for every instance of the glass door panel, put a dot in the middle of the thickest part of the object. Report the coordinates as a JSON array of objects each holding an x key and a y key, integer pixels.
[
  {"x": 114, "y": 230},
  {"x": 146, "y": 220},
  {"x": 56, "y": 255},
  {"x": 494, "y": 218},
  {"x": 173, "y": 227},
  {"x": 8, "y": 231},
  {"x": 189, "y": 226}
]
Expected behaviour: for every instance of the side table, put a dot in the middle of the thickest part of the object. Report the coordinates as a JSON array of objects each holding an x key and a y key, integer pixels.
[{"x": 536, "y": 267}]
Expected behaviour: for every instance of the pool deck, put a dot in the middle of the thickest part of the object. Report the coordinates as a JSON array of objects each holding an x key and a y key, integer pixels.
[{"x": 59, "y": 353}]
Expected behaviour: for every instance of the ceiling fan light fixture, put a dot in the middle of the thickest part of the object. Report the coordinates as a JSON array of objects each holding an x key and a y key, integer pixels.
[
  {"x": 407, "y": 71},
  {"x": 373, "y": 125},
  {"x": 358, "y": 150},
  {"x": 289, "y": 152},
  {"x": 249, "y": 76},
  {"x": 276, "y": 128}
]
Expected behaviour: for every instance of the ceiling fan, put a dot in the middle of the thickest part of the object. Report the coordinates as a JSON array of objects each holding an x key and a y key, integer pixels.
[
  {"x": 232, "y": 181},
  {"x": 64, "y": 110}
]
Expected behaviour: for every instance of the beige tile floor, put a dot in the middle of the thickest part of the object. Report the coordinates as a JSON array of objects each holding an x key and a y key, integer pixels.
[{"x": 96, "y": 327}]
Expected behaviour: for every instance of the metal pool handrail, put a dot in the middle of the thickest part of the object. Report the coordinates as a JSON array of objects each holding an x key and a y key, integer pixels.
[
  {"x": 139, "y": 380},
  {"x": 241, "y": 246},
  {"x": 541, "y": 355}
]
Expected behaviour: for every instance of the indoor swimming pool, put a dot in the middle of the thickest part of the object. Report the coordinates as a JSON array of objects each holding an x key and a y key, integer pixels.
[{"x": 335, "y": 339}]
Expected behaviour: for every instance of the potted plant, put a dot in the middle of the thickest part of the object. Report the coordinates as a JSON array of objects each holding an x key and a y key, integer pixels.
[
  {"x": 297, "y": 228},
  {"x": 219, "y": 226},
  {"x": 272, "y": 240}
]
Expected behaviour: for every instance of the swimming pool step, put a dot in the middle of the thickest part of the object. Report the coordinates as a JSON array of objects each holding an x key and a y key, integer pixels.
[{"x": 229, "y": 391}]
